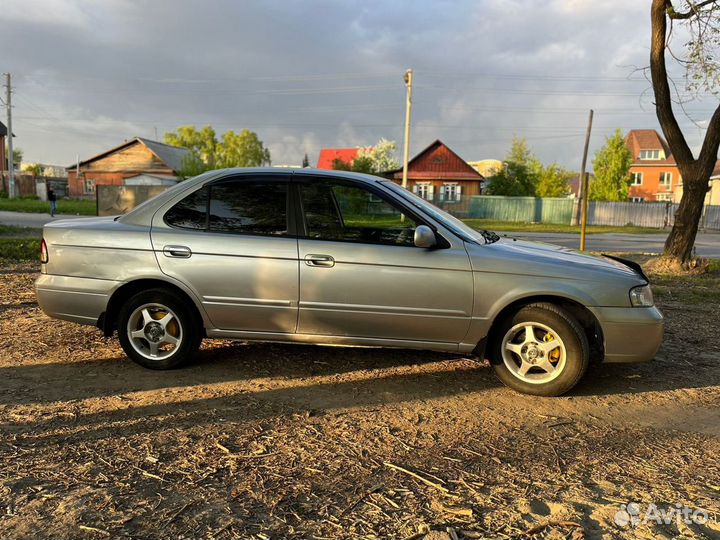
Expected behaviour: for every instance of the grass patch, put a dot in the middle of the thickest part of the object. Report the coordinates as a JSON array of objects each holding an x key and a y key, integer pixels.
[
  {"x": 20, "y": 249},
  {"x": 36, "y": 206},
  {"x": 506, "y": 226},
  {"x": 24, "y": 232}
]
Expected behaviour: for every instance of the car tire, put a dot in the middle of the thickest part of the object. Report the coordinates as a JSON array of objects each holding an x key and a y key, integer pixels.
[
  {"x": 158, "y": 330},
  {"x": 547, "y": 360}
]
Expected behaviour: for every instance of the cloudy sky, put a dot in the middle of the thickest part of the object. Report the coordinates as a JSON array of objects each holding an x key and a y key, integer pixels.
[{"x": 308, "y": 74}]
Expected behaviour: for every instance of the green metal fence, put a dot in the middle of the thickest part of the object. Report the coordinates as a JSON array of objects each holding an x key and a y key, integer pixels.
[{"x": 522, "y": 209}]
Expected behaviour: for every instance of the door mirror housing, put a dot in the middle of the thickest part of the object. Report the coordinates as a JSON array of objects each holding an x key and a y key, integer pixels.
[{"x": 424, "y": 237}]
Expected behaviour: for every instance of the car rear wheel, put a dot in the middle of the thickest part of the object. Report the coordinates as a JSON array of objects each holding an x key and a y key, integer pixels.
[
  {"x": 540, "y": 350},
  {"x": 157, "y": 329}
]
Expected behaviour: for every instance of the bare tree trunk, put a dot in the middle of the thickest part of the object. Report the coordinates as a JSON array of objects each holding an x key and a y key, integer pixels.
[{"x": 695, "y": 172}]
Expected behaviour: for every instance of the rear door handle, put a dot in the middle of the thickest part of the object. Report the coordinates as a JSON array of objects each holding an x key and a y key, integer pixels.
[
  {"x": 325, "y": 261},
  {"x": 179, "y": 252}
]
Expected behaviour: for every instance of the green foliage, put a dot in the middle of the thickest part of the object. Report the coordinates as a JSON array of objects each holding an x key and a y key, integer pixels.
[
  {"x": 520, "y": 175},
  {"x": 20, "y": 249},
  {"x": 554, "y": 181},
  {"x": 244, "y": 149},
  {"x": 612, "y": 170},
  {"x": 17, "y": 157},
  {"x": 340, "y": 165},
  {"x": 361, "y": 164},
  {"x": 35, "y": 169}
]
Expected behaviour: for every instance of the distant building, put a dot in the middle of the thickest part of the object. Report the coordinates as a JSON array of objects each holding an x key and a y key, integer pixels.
[
  {"x": 654, "y": 173},
  {"x": 438, "y": 173},
  {"x": 487, "y": 167},
  {"x": 138, "y": 161},
  {"x": 329, "y": 155}
]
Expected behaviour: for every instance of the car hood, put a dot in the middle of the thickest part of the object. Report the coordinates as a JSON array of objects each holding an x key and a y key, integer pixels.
[{"x": 512, "y": 256}]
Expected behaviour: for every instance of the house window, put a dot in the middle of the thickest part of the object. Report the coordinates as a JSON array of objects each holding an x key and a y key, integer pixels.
[
  {"x": 663, "y": 197},
  {"x": 637, "y": 179},
  {"x": 450, "y": 192},
  {"x": 424, "y": 190},
  {"x": 89, "y": 187},
  {"x": 637, "y": 199},
  {"x": 666, "y": 180},
  {"x": 649, "y": 154}
]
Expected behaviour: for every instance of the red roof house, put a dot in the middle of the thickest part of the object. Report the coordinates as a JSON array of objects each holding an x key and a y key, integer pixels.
[{"x": 328, "y": 155}]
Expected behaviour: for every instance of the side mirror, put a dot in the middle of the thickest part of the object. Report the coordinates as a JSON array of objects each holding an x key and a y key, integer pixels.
[{"x": 424, "y": 237}]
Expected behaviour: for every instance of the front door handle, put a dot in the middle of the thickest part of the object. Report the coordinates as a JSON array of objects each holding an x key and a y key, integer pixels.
[
  {"x": 325, "y": 261},
  {"x": 179, "y": 252}
]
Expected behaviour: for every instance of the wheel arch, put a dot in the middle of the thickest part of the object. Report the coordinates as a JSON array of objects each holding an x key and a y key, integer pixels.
[
  {"x": 108, "y": 319},
  {"x": 585, "y": 317}
]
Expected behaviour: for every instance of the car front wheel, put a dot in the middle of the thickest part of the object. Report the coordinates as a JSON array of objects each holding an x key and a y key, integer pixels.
[
  {"x": 540, "y": 350},
  {"x": 157, "y": 330}
]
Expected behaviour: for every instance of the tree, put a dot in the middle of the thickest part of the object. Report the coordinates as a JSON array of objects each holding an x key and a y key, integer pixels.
[
  {"x": 612, "y": 170},
  {"x": 554, "y": 181},
  {"x": 305, "y": 161},
  {"x": 244, "y": 149},
  {"x": 17, "y": 157},
  {"x": 361, "y": 164},
  {"x": 381, "y": 156},
  {"x": 35, "y": 169},
  {"x": 520, "y": 175},
  {"x": 702, "y": 72},
  {"x": 203, "y": 143}
]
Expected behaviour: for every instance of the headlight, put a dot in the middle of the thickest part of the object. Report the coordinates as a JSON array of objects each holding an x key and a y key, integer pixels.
[{"x": 641, "y": 296}]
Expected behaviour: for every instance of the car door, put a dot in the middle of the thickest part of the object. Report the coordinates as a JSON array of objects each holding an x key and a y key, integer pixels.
[
  {"x": 361, "y": 274},
  {"x": 231, "y": 243}
]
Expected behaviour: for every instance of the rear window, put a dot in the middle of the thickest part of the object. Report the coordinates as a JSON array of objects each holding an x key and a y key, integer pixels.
[
  {"x": 239, "y": 207},
  {"x": 191, "y": 212}
]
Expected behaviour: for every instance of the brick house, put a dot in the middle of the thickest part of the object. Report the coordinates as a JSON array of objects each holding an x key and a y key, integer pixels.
[
  {"x": 654, "y": 173},
  {"x": 137, "y": 161},
  {"x": 438, "y": 173}
]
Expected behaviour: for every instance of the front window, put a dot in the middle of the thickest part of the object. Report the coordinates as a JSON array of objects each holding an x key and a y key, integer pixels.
[
  {"x": 424, "y": 190},
  {"x": 89, "y": 187},
  {"x": 649, "y": 154},
  {"x": 636, "y": 179},
  {"x": 348, "y": 213},
  {"x": 450, "y": 192},
  {"x": 451, "y": 222},
  {"x": 257, "y": 208},
  {"x": 637, "y": 199},
  {"x": 666, "y": 180},
  {"x": 663, "y": 197}
]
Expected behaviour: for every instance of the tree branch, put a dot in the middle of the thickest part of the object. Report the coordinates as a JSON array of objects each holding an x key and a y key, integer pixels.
[
  {"x": 694, "y": 9},
  {"x": 661, "y": 87}
]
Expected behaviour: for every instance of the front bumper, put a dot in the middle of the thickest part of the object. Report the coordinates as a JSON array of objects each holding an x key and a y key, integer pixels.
[
  {"x": 631, "y": 334},
  {"x": 80, "y": 300}
]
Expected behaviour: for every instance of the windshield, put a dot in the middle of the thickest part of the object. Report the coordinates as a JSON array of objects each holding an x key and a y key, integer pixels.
[{"x": 464, "y": 231}]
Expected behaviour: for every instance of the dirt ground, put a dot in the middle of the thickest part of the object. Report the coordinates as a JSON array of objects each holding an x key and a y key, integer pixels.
[{"x": 277, "y": 441}]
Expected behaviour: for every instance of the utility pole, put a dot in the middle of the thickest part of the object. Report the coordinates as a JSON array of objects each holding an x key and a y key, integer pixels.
[
  {"x": 408, "y": 108},
  {"x": 581, "y": 191},
  {"x": 584, "y": 202},
  {"x": 10, "y": 158}
]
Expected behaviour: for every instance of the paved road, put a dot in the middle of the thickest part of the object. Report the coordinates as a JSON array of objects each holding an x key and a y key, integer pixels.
[
  {"x": 707, "y": 244},
  {"x": 27, "y": 219}
]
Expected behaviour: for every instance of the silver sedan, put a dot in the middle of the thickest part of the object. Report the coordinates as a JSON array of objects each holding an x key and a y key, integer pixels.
[{"x": 344, "y": 259}]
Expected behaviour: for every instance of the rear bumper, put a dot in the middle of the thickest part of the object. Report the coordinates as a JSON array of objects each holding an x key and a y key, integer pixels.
[
  {"x": 80, "y": 300},
  {"x": 631, "y": 334}
]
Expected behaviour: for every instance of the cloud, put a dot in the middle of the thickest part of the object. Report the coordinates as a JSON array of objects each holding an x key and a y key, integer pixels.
[{"x": 303, "y": 75}]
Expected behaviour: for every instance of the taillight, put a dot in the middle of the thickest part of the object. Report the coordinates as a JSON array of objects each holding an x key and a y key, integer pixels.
[{"x": 43, "y": 252}]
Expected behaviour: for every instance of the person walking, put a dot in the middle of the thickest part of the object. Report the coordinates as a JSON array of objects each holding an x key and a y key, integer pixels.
[{"x": 53, "y": 202}]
